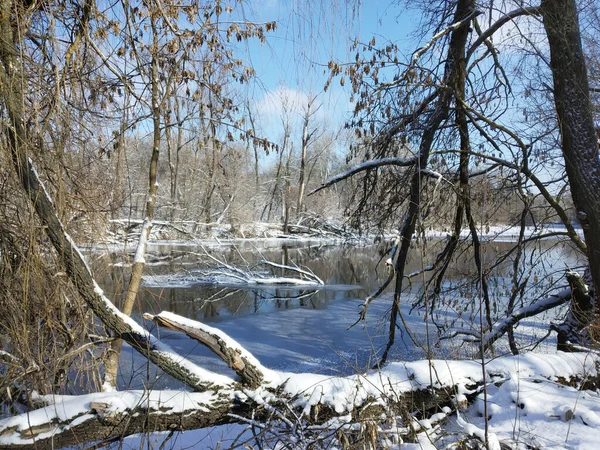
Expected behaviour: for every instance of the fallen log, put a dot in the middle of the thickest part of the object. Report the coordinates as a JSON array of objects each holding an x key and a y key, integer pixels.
[
  {"x": 310, "y": 407},
  {"x": 239, "y": 359}
]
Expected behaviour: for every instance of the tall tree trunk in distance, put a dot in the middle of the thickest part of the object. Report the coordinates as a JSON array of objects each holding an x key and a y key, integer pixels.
[
  {"x": 210, "y": 135},
  {"x": 175, "y": 192},
  {"x": 253, "y": 128},
  {"x": 112, "y": 363},
  {"x": 287, "y": 188},
  {"x": 305, "y": 140},
  {"x": 173, "y": 150},
  {"x": 170, "y": 152},
  {"x": 575, "y": 119},
  {"x": 211, "y": 186},
  {"x": 117, "y": 200},
  {"x": 282, "y": 151}
]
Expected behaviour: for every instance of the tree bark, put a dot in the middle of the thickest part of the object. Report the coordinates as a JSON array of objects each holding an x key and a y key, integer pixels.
[
  {"x": 572, "y": 334},
  {"x": 575, "y": 120}
]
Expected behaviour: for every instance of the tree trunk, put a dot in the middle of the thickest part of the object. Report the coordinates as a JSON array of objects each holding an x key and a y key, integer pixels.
[
  {"x": 280, "y": 169},
  {"x": 453, "y": 69},
  {"x": 575, "y": 119},
  {"x": 111, "y": 366},
  {"x": 305, "y": 140},
  {"x": 287, "y": 190},
  {"x": 173, "y": 150},
  {"x": 572, "y": 334},
  {"x": 253, "y": 143}
]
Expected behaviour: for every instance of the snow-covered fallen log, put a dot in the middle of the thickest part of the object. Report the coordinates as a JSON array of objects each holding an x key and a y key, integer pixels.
[
  {"x": 308, "y": 404},
  {"x": 251, "y": 372},
  {"x": 73, "y": 420}
]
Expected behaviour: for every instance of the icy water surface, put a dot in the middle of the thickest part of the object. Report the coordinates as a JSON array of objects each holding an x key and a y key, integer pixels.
[{"x": 306, "y": 329}]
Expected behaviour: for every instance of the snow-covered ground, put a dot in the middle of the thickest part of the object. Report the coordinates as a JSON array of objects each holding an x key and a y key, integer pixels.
[
  {"x": 267, "y": 234},
  {"x": 527, "y": 405}
]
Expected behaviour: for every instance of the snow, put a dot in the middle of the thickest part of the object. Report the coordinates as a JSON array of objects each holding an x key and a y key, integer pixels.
[
  {"x": 62, "y": 408},
  {"x": 526, "y": 405},
  {"x": 229, "y": 342},
  {"x": 472, "y": 430},
  {"x": 503, "y": 233}
]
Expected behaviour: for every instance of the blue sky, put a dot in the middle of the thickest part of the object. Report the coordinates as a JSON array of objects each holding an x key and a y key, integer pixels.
[{"x": 292, "y": 63}]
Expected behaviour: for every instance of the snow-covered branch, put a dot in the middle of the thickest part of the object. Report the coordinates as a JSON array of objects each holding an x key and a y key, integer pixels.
[
  {"x": 535, "y": 308},
  {"x": 308, "y": 274},
  {"x": 229, "y": 275},
  {"x": 441, "y": 34},
  {"x": 527, "y": 11},
  {"x": 251, "y": 372},
  {"x": 367, "y": 165}
]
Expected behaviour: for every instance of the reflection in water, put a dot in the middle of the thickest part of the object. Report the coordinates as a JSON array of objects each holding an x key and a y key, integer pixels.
[
  {"x": 346, "y": 271},
  {"x": 349, "y": 272},
  {"x": 298, "y": 329}
]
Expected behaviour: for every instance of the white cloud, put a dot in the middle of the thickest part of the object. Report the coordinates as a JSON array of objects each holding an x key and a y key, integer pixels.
[{"x": 279, "y": 104}]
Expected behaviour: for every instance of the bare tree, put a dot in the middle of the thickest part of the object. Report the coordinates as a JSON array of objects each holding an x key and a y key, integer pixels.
[
  {"x": 307, "y": 137},
  {"x": 423, "y": 126}
]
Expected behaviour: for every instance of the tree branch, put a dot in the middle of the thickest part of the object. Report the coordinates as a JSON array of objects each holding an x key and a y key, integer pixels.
[
  {"x": 239, "y": 359},
  {"x": 367, "y": 165},
  {"x": 500, "y": 328},
  {"x": 529, "y": 11}
]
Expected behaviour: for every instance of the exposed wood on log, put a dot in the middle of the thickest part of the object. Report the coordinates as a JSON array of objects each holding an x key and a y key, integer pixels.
[
  {"x": 572, "y": 333},
  {"x": 241, "y": 361}
]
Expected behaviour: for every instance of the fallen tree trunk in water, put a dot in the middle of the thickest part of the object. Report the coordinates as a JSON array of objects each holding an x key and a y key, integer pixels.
[{"x": 308, "y": 407}]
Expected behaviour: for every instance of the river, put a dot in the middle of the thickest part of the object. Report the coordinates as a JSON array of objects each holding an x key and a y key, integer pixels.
[{"x": 306, "y": 329}]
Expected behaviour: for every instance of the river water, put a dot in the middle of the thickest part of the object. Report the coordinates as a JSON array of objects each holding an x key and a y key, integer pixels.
[{"x": 306, "y": 329}]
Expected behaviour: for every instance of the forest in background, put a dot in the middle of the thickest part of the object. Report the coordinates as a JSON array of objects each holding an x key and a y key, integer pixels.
[{"x": 120, "y": 111}]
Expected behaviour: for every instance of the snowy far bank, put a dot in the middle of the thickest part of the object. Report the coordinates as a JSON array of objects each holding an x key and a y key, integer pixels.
[
  {"x": 324, "y": 231},
  {"x": 504, "y": 233}
]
